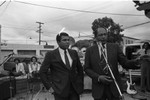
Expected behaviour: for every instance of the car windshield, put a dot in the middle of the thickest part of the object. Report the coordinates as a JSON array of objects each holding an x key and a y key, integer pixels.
[{"x": 23, "y": 58}]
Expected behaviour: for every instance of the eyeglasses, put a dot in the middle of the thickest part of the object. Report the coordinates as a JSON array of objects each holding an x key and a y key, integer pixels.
[
  {"x": 102, "y": 34},
  {"x": 65, "y": 39}
]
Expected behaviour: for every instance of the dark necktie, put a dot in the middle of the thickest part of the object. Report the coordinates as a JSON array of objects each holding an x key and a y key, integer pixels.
[
  {"x": 145, "y": 51},
  {"x": 101, "y": 55},
  {"x": 66, "y": 59}
]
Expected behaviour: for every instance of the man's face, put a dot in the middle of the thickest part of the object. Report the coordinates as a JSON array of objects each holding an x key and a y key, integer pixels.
[
  {"x": 145, "y": 46},
  {"x": 64, "y": 42},
  {"x": 33, "y": 60},
  {"x": 101, "y": 35},
  {"x": 16, "y": 61}
]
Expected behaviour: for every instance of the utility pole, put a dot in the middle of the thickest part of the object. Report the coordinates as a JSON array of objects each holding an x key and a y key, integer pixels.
[{"x": 39, "y": 31}]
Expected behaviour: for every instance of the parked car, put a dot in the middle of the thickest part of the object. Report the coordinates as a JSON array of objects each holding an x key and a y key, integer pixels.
[
  {"x": 25, "y": 59},
  {"x": 130, "y": 51}
]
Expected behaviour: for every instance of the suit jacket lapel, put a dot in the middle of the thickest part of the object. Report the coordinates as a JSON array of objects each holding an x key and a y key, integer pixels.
[
  {"x": 96, "y": 53},
  {"x": 99, "y": 59},
  {"x": 59, "y": 58},
  {"x": 108, "y": 49},
  {"x": 72, "y": 57}
]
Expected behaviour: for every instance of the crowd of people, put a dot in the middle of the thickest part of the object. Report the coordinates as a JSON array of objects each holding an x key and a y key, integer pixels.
[
  {"x": 101, "y": 65},
  {"x": 67, "y": 73},
  {"x": 30, "y": 70}
]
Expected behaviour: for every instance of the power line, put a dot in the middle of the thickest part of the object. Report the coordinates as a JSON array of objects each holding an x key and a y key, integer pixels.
[
  {"x": 137, "y": 25},
  {"x": 76, "y": 10},
  {"x": 71, "y": 14},
  {"x": 81, "y": 32},
  {"x": 5, "y": 8},
  {"x": 3, "y": 3},
  {"x": 17, "y": 28}
]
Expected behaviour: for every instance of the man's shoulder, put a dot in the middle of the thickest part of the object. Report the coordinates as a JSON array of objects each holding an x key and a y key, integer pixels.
[
  {"x": 112, "y": 45},
  {"x": 71, "y": 50},
  {"x": 52, "y": 51},
  {"x": 91, "y": 48}
]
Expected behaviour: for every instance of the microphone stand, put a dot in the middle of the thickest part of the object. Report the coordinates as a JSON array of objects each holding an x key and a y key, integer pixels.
[
  {"x": 10, "y": 86},
  {"x": 10, "y": 76},
  {"x": 108, "y": 66},
  {"x": 8, "y": 57}
]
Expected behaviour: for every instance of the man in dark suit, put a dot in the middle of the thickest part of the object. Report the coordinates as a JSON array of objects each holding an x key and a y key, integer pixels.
[
  {"x": 66, "y": 71},
  {"x": 103, "y": 86}
]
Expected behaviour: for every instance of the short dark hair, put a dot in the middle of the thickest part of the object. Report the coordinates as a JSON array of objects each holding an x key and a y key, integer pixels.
[
  {"x": 58, "y": 37},
  {"x": 33, "y": 57},
  {"x": 16, "y": 59},
  {"x": 146, "y": 43}
]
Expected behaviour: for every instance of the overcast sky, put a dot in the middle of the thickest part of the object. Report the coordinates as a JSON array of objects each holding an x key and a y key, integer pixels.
[{"x": 18, "y": 18}]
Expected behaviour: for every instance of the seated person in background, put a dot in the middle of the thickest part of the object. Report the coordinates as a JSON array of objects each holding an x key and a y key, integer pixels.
[
  {"x": 19, "y": 68},
  {"x": 34, "y": 66}
]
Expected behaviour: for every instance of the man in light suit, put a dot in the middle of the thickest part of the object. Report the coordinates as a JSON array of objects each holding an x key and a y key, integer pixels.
[
  {"x": 103, "y": 86},
  {"x": 66, "y": 79}
]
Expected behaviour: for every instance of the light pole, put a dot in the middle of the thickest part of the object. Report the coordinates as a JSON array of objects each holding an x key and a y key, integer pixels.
[{"x": 39, "y": 31}]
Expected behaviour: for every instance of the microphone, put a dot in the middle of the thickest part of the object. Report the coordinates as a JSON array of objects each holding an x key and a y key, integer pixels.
[
  {"x": 9, "y": 66},
  {"x": 8, "y": 56},
  {"x": 11, "y": 54}
]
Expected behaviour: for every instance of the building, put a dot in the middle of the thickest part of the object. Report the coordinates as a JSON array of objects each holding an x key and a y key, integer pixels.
[
  {"x": 40, "y": 50},
  {"x": 25, "y": 49},
  {"x": 129, "y": 40}
]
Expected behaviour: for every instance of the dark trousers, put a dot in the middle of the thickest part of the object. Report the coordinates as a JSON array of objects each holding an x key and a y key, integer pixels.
[
  {"x": 72, "y": 95},
  {"x": 145, "y": 75},
  {"x": 107, "y": 94}
]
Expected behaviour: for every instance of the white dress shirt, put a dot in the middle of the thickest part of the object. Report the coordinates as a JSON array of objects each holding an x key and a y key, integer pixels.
[
  {"x": 100, "y": 49},
  {"x": 20, "y": 68},
  {"x": 61, "y": 51},
  {"x": 34, "y": 67}
]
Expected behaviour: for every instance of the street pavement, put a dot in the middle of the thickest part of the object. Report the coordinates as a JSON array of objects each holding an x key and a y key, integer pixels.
[{"x": 43, "y": 95}]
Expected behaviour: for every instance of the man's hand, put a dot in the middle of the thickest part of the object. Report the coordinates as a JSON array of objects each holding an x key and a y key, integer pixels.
[
  {"x": 51, "y": 90},
  {"x": 105, "y": 79},
  {"x": 137, "y": 62}
]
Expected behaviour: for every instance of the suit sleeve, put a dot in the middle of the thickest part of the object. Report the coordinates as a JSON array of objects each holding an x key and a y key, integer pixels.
[
  {"x": 79, "y": 67},
  {"x": 122, "y": 59},
  {"x": 44, "y": 70}
]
